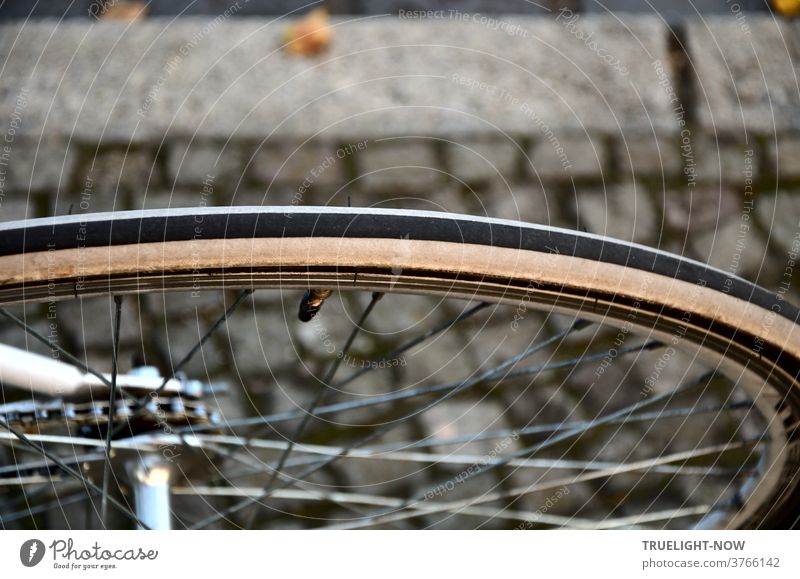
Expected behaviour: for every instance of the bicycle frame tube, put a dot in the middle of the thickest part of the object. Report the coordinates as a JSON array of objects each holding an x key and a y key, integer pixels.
[
  {"x": 149, "y": 476},
  {"x": 51, "y": 377}
]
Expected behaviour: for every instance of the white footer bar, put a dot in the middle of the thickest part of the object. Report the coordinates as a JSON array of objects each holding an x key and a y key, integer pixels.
[{"x": 406, "y": 554}]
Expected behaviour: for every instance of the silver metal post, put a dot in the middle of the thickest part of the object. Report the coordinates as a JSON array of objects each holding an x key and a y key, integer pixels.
[{"x": 149, "y": 478}]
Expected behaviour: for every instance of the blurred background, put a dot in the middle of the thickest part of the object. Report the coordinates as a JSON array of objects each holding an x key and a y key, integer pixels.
[{"x": 668, "y": 123}]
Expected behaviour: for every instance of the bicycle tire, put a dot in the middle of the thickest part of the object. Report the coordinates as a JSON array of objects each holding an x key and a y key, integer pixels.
[{"x": 501, "y": 261}]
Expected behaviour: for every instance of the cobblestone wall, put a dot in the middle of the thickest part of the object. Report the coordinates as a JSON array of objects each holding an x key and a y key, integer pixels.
[{"x": 684, "y": 137}]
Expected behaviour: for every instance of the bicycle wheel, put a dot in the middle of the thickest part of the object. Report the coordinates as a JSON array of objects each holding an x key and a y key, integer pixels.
[{"x": 666, "y": 394}]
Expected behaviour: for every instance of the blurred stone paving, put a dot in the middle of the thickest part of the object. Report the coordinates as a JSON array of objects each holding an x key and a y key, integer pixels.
[{"x": 686, "y": 138}]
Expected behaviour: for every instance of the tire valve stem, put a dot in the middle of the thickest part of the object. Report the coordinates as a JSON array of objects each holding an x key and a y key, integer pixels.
[{"x": 311, "y": 303}]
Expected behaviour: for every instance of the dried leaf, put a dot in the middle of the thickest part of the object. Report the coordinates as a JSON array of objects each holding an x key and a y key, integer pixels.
[
  {"x": 787, "y": 7},
  {"x": 310, "y": 35},
  {"x": 123, "y": 10}
]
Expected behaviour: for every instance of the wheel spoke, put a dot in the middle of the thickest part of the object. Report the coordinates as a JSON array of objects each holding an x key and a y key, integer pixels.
[
  {"x": 201, "y": 342},
  {"x": 141, "y": 403},
  {"x": 43, "y": 508},
  {"x": 40, "y": 464},
  {"x": 404, "y": 512},
  {"x": 622, "y": 413},
  {"x": 377, "y": 501},
  {"x": 464, "y": 385},
  {"x": 412, "y": 343},
  {"x": 557, "y": 438},
  {"x": 488, "y": 376},
  {"x": 375, "y": 454},
  {"x": 33, "y": 479},
  {"x": 562, "y": 426},
  {"x": 408, "y": 345},
  {"x": 111, "y": 407},
  {"x": 71, "y": 472},
  {"x": 425, "y": 509},
  {"x": 303, "y": 486},
  {"x": 74, "y": 360},
  {"x": 326, "y": 383},
  {"x": 333, "y": 408},
  {"x": 658, "y": 516}
]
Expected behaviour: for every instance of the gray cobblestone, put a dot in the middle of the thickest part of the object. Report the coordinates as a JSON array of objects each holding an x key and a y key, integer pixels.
[
  {"x": 11, "y": 335},
  {"x": 91, "y": 322},
  {"x": 316, "y": 162},
  {"x": 230, "y": 82},
  {"x": 279, "y": 194},
  {"x": 569, "y": 157},
  {"x": 778, "y": 213},
  {"x": 649, "y": 156},
  {"x": 467, "y": 417},
  {"x": 398, "y": 165},
  {"x": 784, "y": 157},
  {"x": 87, "y": 200},
  {"x": 743, "y": 76},
  {"x": 483, "y": 160},
  {"x": 14, "y": 206},
  {"x": 121, "y": 170},
  {"x": 528, "y": 202},
  {"x": 725, "y": 161},
  {"x": 448, "y": 196},
  {"x": 181, "y": 303},
  {"x": 260, "y": 341},
  {"x": 183, "y": 197},
  {"x": 200, "y": 161},
  {"x": 733, "y": 247},
  {"x": 619, "y": 211},
  {"x": 183, "y": 334},
  {"x": 39, "y": 166},
  {"x": 692, "y": 212},
  {"x": 87, "y": 102},
  {"x": 108, "y": 179}
]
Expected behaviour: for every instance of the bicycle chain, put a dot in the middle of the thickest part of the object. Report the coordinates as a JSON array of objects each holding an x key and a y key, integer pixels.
[{"x": 29, "y": 415}]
